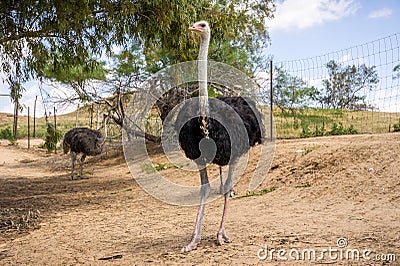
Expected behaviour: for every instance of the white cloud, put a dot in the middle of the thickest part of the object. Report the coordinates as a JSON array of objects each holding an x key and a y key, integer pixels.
[
  {"x": 381, "y": 13},
  {"x": 295, "y": 14}
]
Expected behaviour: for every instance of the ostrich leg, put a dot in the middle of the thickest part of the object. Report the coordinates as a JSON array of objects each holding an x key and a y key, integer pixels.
[
  {"x": 73, "y": 158},
  {"x": 205, "y": 189},
  {"x": 221, "y": 236},
  {"x": 81, "y": 165},
  {"x": 221, "y": 186}
]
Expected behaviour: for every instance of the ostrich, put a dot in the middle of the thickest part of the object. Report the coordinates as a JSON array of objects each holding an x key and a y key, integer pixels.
[
  {"x": 85, "y": 141},
  {"x": 205, "y": 140}
]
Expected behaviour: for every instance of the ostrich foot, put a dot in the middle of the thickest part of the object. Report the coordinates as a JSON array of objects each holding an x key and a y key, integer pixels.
[
  {"x": 222, "y": 238},
  {"x": 192, "y": 245}
]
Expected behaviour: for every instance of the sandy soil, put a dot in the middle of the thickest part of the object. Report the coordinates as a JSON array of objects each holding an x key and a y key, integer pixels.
[{"x": 325, "y": 189}]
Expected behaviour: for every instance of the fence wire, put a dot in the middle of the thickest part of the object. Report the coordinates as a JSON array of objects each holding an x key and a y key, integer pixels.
[{"x": 379, "y": 114}]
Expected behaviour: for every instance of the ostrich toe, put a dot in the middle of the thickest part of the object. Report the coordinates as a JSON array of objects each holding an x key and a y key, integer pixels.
[
  {"x": 222, "y": 238},
  {"x": 192, "y": 245}
]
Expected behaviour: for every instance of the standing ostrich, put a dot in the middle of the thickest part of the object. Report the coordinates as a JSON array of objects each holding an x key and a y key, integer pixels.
[
  {"x": 85, "y": 141},
  {"x": 205, "y": 140}
]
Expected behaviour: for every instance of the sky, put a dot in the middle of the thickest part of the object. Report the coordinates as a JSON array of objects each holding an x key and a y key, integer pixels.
[
  {"x": 307, "y": 28},
  {"x": 300, "y": 29}
]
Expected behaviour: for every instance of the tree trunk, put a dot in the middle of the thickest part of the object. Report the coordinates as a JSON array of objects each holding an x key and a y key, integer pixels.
[{"x": 15, "y": 125}]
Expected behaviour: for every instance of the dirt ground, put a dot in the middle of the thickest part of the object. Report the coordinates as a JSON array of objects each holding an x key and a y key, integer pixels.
[{"x": 320, "y": 193}]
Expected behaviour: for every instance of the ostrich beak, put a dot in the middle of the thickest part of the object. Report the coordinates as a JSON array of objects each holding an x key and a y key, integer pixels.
[{"x": 196, "y": 28}]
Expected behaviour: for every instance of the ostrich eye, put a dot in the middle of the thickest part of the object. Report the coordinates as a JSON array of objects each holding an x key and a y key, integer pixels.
[{"x": 202, "y": 25}]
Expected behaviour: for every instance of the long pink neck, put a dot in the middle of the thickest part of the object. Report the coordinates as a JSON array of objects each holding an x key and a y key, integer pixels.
[{"x": 203, "y": 90}]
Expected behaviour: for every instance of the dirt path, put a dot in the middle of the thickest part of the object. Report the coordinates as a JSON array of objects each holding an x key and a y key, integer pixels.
[{"x": 323, "y": 189}]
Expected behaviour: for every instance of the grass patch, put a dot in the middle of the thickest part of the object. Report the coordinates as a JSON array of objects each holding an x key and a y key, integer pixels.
[
  {"x": 253, "y": 193},
  {"x": 324, "y": 122},
  {"x": 305, "y": 123},
  {"x": 306, "y": 185},
  {"x": 151, "y": 168},
  {"x": 310, "y": 149},
  {"x": 121, "y": 191}
]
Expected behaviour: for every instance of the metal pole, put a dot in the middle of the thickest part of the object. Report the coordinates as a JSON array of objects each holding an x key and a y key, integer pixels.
[
  {"x": 34, "y": 118},
  {"x": 55, "y": 129},
  {"x": 271, "y": 95},
  {"x": 76, "y": 116},
  {"x": 98, "y": 116},
  {"x": 91, "y": 116},
  {"x": 29, "y": 129}
]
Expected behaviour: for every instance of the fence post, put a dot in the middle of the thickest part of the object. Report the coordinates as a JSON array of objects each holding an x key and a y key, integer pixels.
[
  {"x": 55, "y": 129},
  {"x": 34, "y": 118},
  {"x": 271, "y": 95},
  {"x": 98, "y": 117},
  {"x": 29, "y": 127},
  {"x": 76, "y": 116},
  {"x": 91, "y": 116}
]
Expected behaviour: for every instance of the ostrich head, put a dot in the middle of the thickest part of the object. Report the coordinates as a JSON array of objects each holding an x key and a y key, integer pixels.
[{"x": 201, "y": 27}]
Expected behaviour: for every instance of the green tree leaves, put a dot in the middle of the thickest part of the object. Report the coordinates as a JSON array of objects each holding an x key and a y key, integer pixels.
[
  {"x": 344, "y": 85},
  {"x": 396, "y": 69},
  {"x": 291, "y": 92},
  {"x": 33, "y": 32}
]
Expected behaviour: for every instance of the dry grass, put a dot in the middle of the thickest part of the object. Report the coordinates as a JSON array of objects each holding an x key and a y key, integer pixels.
[
  {"x": 364, "y": 122},
  {"x": 288, "y": 125}
]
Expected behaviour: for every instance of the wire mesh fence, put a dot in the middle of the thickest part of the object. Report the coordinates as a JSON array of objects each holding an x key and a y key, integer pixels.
[{"x": 354, "y": 90}]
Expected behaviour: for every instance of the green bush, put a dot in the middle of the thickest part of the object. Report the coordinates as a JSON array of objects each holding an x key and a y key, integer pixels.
[
  {"x": 7, "y": 134},
  {"x": 52, "y": 138},
  {"x": 339, "y": 129},
  {"x": 396, "y": 127},
  {"x": 319, "y": 131},
  {"x": 305, "y": 130}
]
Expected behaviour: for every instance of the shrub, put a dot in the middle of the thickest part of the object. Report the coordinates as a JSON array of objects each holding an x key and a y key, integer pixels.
[
  {"x": 396, "y": 127},
  {"x": 319, "y": 131},
  {"x": 339, "y": 129},
  {"x": 6, "y": 133},
  {"x": 52, "y": 138},
  {"x": 305, "y": 130}
]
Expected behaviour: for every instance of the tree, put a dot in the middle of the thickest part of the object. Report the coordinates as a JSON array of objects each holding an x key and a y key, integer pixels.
[
  {"x": 16, "y": 90},
  {"x": 396, "y": 69},
  {"x": 70, "y": 36},
  {"x": 68, "y": 32},
  {"x": 291, "y": 92},
  {"x": 344, "y": 86},
  {"x": 75, "y": 83},
  {"x": 127, "y": 72}
]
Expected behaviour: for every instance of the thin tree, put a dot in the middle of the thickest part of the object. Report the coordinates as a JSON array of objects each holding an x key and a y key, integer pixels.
[{"x": 347, "y": 86}]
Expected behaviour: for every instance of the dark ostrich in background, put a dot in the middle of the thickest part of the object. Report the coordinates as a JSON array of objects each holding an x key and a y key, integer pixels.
[
  {"x": 84, "y": 141},
  {"x": 205, "y": 140}
]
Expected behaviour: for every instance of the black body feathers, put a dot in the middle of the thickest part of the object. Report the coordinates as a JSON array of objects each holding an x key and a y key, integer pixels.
[
  {"x": 83, "y": 140},
  {"x": 231, "y": 120}
]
